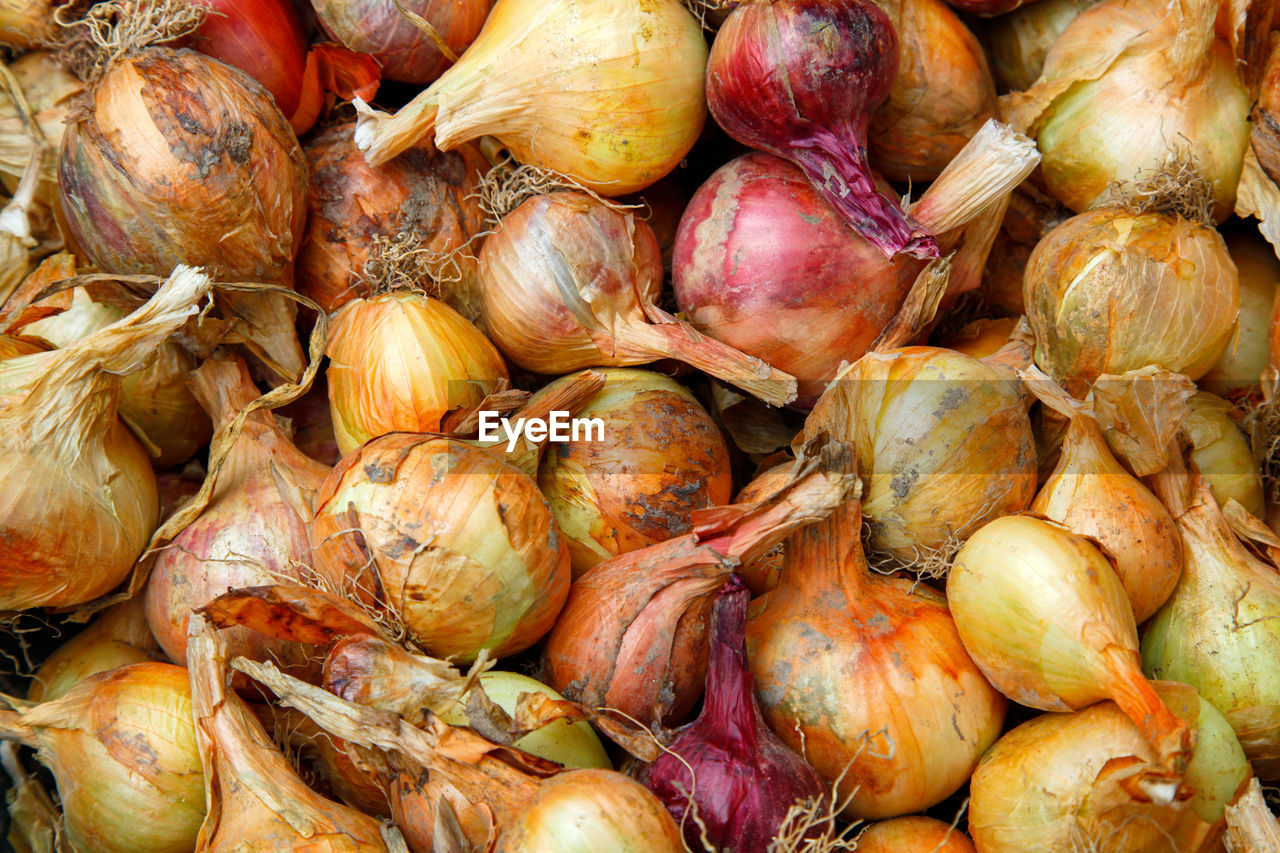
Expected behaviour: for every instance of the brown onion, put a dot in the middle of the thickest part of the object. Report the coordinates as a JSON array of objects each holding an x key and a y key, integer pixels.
[
  {"x": 762, "y": 574},
  {"x": 657, "y": 458},
  {"x": 1265, "y": 137},
  {"x": 117, "y": 637},
  {"x": 911, "y": 835},
  {"x": 980, "y": 338}
]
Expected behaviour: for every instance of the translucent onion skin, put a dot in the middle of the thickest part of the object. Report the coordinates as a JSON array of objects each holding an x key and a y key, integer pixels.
[
  {"x": 1222, "y": 455},
  {"x": 466, "y": 550},
  {"x": 1020, "y": 40},
  {"x": 1110, "y": 291},
  {"x": 913, "y": 834},
  {"x": 405, "y": 53},
  {"x": 659, "y": 458},
  {"x": 351, "y": 203},
  {"x": 401, "y": 361},
  {"x": 1240, "y": 368}
]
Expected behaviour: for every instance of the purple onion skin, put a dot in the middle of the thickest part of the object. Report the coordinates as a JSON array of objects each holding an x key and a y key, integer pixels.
[
  {"x": 747, "y": 779},
  {"x": 800, "y": 79}
]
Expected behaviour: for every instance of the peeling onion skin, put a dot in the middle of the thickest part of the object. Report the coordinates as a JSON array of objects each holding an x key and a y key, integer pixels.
[{"x": 913, "y": 835}]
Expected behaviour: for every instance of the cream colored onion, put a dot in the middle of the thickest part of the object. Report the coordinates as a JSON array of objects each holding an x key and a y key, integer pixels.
[
  {"x": 1241, "y": 365},
  {"x": 1020, "y": 40},
  {"x": 1221, "y": 453}
]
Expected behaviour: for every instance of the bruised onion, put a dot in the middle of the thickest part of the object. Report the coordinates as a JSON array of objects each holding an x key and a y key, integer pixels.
[
  {"x": 1021, "y": 40},
  {"x": 1221, "y": 453},
  {"x": 912, "y": 834},
  {"x": 253, "y": 530},
  {"x": 405, "y": 52},
  {"x": 460, "y": 545},
  {"x": 656, "y": 458},
  {"x": 117, "y": 637},
  {"x": 401, "y": 361},
  {"x": 1240, "y": 368}
]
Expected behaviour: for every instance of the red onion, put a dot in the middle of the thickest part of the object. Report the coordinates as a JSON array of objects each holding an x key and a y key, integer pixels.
[
  {"x": 746, "y": 778},
  {"x": 800, "y": 79}
]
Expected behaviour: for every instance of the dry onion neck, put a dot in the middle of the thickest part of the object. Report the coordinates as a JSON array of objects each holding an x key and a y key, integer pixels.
[{"x": 92, "y": 39}]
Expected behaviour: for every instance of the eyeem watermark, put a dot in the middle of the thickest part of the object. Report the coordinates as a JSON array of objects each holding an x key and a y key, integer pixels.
[{"x": 557, "y": 427}]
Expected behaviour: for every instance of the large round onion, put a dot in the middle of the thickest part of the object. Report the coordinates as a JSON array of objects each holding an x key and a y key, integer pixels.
[
  {"x": 460, "y": 546},
  {"x": 1241, "y": 365},
  {"x": 658, "y": 458}
]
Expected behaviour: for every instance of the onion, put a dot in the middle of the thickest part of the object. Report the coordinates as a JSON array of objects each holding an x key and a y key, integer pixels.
[
  {"x": 25, "y": 23},
  {"x": 177, "y": 485},
  {"x": 312, "y": 424},
  {"x": 1088, "y": 780},
  {"x": 464, "y": 550},
  {"x": 1090, "y": 493},
  {"x": 118, "y": 637},
  {"x": 775, "y": 87},
  {"x": 762, "y": 261},
  {"x": 762, "y": 574},
  {"x": 569, "y": 282},
  {"x": 78, "y": 488},
  {"x": 911, "y": 835},
  {"x": 609, "y": 92},
  {"x": 1020, "y": 40},
  {"x": 253, "y": 530},
  {"x": 122, "y": 748},
  {"x": 49, "y": 90},
  {"x": 1109, "y": 291},
  {"x": 424, "y": 195},
  {"x": 1241, "y": 365},
  {"x": 1047, "y": 620},
  {"x": 1265, "y": 137},
  {"x": 1130, "y": 88},
  {"x": 632, "y": 635},
  {"x": 944, "y": 445},
  {"x": 402, "y": 361},
  {"x": 980, "y": 338},
  {"x": 1221, "y": 453},
  {"x": 728, "y": 779},
  {"x": 658, "y": 458},
  {"x": 885, "y": 703},
  {"x": 941, "y": 95}
]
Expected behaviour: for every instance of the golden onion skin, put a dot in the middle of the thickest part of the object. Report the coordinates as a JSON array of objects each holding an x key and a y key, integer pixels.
[
  {"x": 1110, "y": 291},
  {"x": 51, "y": 92}
]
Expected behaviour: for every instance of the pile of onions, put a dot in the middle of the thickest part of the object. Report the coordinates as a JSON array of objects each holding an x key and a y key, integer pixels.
[
  {"x": 727, "y": 767},
  {"x": 1045, "y": 617},
  {"x": 253, "y": 530},
  {"x": 941, "y": 95},
  {"x": 658, "y": 458},
  {"x": 118, "y": 637},
  {"x": 49, "y": 90},
  {"x": 609, "y": 92},
  {"x": 1221, "y": 453},
  {"x": 459, "y": 545},
  {"x": 633, "y": 633},
  {"x": 424, "y": 194},
  {"x": 1020, "y": 40},
  {"x": 1129, "y": 89},
  {"x": 762, "y": 261},
  {"x": 913, "y": 834},
  {"x": 402, "y": 361},
  {"x": 568, "y": 282},
  {"x": 1109, "y": 291},
  {"x": 78, "y": 486},
  {"x": 122, "y": 747}
]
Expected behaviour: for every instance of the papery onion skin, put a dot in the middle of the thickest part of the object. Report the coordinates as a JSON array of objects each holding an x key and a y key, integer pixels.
[
  {"x": 1265, "y": 138},
  {"x": 496, "y": 570},
  {"x": 911, "y": 835},
  {"x": 401, "y": 361},
  {"x": 659, "y": 458},
  {"x": 26, "y": 23},
  {"x": 980, "y": 338},
  {"x": 1241, "y": 365},
  {"x": 405, "y": 53},
  {"x": 50, "y": 91},
  {"x": 1110, "y": 291},
  {"x": 312, "y": 423},
  {"x": 351, "y": 203},
  {"x": 11, "y": 347},
  {"x": 762, "y": 574},
  {"x": 1021, "y": 40},
  {"x": 1221, "y": 453}
]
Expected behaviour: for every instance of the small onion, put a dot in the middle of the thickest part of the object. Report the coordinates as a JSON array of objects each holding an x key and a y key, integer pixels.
[
  {"x": 1221, "y": 453},
  {"x": 658, "y": 458},
  {"x": 1021, "y": 40},
  {"x": 402, "y": 361},
  {"x": 1241, "y": 366},
  {"x": 405, "y": 52},
  {"x": 464, "y": 549},
  {"x": 117, "y": 637},
  {"x": 912, "y": 835}
]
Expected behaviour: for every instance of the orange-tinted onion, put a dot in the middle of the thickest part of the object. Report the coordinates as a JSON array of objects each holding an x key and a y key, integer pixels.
[
  {"x": 762, "y": 574},
  {"x": 913, "y": 835},
  {"x": 980, "y": 338}
]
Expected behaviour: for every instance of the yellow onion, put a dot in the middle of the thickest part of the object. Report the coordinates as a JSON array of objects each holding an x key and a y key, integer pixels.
[
  {"x": 78, "y": 488},
  {"x": 117, "y": 637},
  {"x": 866, "y": 677},
  {"x": 941, "y": 95},
  {"x": 1089, "y": 781},
  {"x": 1241, "y": 365},
  {"x": 1110, "y": 291},
  {"x": 154, "y": 402},
  {"x": 656, "y": 459},
  {"x": 122, "y": 747},
  {"x": 912, "y": 835},
  {"x": 762, "y": 574},
  {"x": 1220, "y": 633},
  {"x": 1047, "y": 620},
  {"x": 609, "y": 92},
  {"x": 180, "y": 159},
  {"x": 26, "y": 23},
  {"x": 1131, "y": 88},
  {"x": 400, "y": 362},
  {"x": 944, "y": 445},
  {"x": 50, "y": 91},
  {"x": 980, "y": 338},
  {"x": 427, "y": 196},
  {"x": 253, "y": 530},
  {"x": 1020, "y": 40},
  {"x": 1221, "y": 453},
  {"x": 463, "y": 547}
]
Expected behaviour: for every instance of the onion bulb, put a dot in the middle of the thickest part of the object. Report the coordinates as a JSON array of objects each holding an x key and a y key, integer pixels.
[
  {"x": 1110, "y": 291},
  {"x": 122, "y": 747},
  {"x": 609, "y": 92},
  {"x": 426, "y": 196},
  {"x": 1221, "y": 453},
  {"x": 886, "y": 703},
  {"x": 658, "y": 458},
  {"x": 569, "y": 282},
  {"x": 944, "y": 445},
  {"x": 78, "y": 488},
  {"x": 400, "y": 362},
  {"x": 117, "y": 637},
  {"x": 1131, "y": 88},
  {"x": 980, "y": 338},
  {"x": 50, "y": 91},
  {"x": 911, "y": 835},
  {"x": 462, "y": 546},
  {"x": 1047, "y": 620},
  {"x": 1020, "y": 40},
  {"x": 405, "y": 52},
  {"x": 1246, "y": 357},
  {"x": 253, "y": 530}
]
